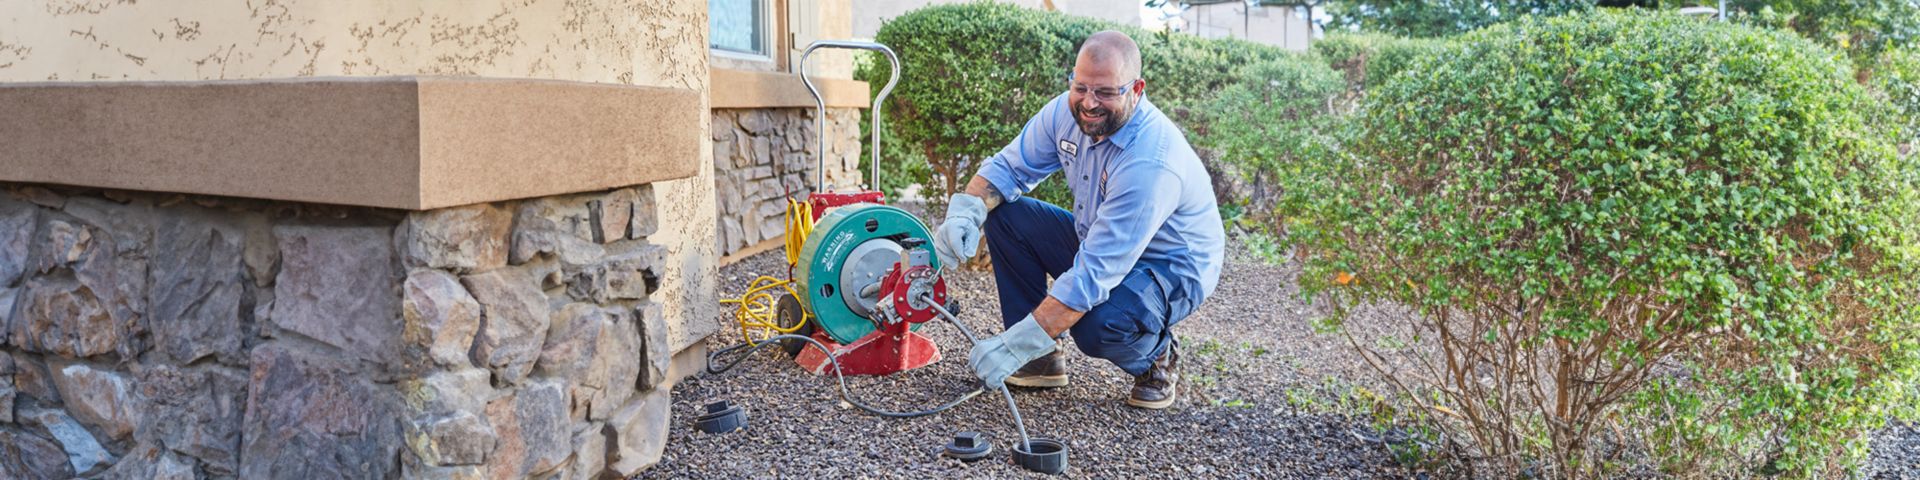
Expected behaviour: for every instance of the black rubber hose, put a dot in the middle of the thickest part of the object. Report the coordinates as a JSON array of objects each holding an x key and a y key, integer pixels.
[{"x": 845, "y": 393}]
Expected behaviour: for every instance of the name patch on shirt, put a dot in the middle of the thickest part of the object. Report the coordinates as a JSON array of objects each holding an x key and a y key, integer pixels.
[{"x": 1069, "y": 147}]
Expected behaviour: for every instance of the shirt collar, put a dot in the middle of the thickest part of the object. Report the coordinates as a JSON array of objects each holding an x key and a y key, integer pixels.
[{"x": 1134, "y": 125}]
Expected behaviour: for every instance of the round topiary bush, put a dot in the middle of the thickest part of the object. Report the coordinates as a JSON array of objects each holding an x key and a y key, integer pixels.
[
  {"x": 973, "y": 73},
  {"x": 1627, "y": 222}
]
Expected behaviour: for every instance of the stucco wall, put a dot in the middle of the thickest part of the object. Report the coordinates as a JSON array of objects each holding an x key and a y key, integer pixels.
[{"x": 637, "y": 42}]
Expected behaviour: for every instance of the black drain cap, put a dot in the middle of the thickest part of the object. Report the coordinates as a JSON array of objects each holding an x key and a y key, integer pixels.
[
  {"x": 722, "y": 417},
  {"x": 968, "y": 446}
]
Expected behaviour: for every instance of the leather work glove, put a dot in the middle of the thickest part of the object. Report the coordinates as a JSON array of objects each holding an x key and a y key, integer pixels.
[
  {"x": 958, "y": 238},
  {"x": 996, "y": 358}
]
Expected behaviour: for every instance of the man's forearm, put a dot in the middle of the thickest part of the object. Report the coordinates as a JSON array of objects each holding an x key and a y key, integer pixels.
[
  {"x": 1056, "y": 317},
  {"x": 980, "y": 187}
]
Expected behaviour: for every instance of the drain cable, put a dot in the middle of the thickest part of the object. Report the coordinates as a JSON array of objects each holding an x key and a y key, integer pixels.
[{"x": 845, "y": 393}]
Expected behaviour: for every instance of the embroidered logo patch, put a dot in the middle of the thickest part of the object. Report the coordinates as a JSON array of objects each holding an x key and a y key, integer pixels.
[{"x": 1069, "y": 148}]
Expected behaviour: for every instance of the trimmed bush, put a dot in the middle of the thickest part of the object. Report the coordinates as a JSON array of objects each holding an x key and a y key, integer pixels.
[
  {"x": 1624, "y": 215},
  {"x": 1263, "y": 126},
  {"x": 974, "y": 73},
  {"x": 1898, "y": 83},
  {"x": 1369, "y": 59}
]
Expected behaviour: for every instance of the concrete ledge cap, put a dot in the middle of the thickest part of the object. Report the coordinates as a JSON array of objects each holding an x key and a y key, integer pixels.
[
  {"x": 748, "y": 89},
  {"x": 412, "y": 143}
]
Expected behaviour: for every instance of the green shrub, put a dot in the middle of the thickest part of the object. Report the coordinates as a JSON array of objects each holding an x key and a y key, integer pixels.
[
  {"x": 1278, "y": 113},
  {"x": 1898, "y": 84},
  {"x": 974, "y": 73},
  {"x": 1368, "y": 59},
  {"x": 1613, "y": 214}
]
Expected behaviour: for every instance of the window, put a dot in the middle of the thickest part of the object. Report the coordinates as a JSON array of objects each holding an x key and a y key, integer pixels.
[{"x": 739, "y": 27}]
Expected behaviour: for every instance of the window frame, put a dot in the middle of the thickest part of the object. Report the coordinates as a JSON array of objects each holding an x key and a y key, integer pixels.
[{"x": 774, "y": 22}]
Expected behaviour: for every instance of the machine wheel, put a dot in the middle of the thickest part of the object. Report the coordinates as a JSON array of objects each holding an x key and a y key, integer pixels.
[{"x": 787, "y": 313}]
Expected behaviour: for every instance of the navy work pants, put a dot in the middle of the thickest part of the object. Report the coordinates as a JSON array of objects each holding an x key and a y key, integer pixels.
[{"x": 1032, "y": 241}]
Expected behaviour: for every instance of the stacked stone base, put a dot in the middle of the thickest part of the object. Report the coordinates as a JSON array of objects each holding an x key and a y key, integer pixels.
[
  {"x": 760, "y": 156},
  {"x": 147, "y": 335}
]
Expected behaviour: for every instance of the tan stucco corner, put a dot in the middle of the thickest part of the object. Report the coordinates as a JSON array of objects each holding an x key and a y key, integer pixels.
[{"x": 410, "y": 142}]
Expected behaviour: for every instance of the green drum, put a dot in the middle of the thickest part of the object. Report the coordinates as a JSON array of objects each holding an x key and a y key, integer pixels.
[{"x": 844, "y": 259}]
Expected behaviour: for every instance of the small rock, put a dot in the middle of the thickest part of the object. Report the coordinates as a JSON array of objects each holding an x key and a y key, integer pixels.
[
  {"x": 542, "y": 408},
  {"x": 84, "y": 454},
  {"x": 31, "y": 377},
  {"x": 589, "y": 452},
  {"x": 441, "y": 317},
  {"x": 196, "y": 287},
  {"x": 560, "y": 225},
  {"x": 757, "y": 122},
  {"x": 309, "y": 416},
  {"x": 645, "y": 213},
  {"x": 262, "y": 255},
  {"x": 616, "y": 370},
  {"x": 458, "y": 439},
  {"x": 445, "y": 393},
  {"x": 613, "y": 215},
  {"x": 652, "y": 325},
  {"x": 7, "y": 393},
  {"x": 101, "y": 399},
  {"x": 514, "y": 323},
  {"x": 16, "y": 232},
  {"x": 463, "y": 239},
  {"x": 149, "y": 462},
  {"x": 24, "y": 455},
  {"x": 196, "y": 412},
  {"x": 61, "y": 316},
  {"x": 39, "y": 196},
  {"x": 640, "y": 433},
  {"x": 336, "y": 286},
  {"x": 630, "y": 275}
]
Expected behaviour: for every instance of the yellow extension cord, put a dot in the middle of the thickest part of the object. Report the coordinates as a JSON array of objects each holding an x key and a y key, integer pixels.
[{"x": 757, "y": 309}]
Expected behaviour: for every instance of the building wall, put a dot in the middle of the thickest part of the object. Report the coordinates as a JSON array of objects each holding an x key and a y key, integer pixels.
[
  {"x": 346, "y": 353},
  {"x": 659, "y": 43},
  {"x": 763, "y": 155},
  {"x": 868, "y": 15},
  {"x": 764, "y": 141},
  {"x": 1278, "y": 26}
]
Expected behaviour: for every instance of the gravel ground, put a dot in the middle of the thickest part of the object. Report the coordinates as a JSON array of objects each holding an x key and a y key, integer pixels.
[
  {"x": 1896, "y": 453},
  {"x": 1256, "y": 387},
  {"x": 1261, "y": 397}
]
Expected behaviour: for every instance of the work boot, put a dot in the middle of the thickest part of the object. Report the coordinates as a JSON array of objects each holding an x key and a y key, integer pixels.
[
  {"x": 1045, "y": 372},
  {"x": 1154, "y": 390}
]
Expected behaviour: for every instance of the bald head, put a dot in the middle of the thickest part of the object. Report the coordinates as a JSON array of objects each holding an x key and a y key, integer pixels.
[{"x": 1111, "y": 49}]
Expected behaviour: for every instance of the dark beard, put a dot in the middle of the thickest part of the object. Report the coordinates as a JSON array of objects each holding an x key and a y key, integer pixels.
[{"x": 1103, "y": 128}]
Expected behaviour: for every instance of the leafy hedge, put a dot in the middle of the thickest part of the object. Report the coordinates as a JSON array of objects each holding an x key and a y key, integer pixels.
[
  {"x": 1278, "y": 114},
  {"x": 1898, "y": 83},
  {"x": 1630, "y": 212},
  {"x": 974, "y": 74},
  {"x": 1370, "y": 59}
]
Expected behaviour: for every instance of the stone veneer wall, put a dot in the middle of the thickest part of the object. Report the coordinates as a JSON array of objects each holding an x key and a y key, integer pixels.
[
  {"x": 657, "y": 43},
  {"x": 151, "y": 335},
  {"x": 759, "y": 154}
]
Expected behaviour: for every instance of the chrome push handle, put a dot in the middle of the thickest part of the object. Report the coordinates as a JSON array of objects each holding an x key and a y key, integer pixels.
[{"x": 820, "y": 174}]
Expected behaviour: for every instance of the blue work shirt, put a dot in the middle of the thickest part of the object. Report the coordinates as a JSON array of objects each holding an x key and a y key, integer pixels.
[{"x": 1139, "y": 194}]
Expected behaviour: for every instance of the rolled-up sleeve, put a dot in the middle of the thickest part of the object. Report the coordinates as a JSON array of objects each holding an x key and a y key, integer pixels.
[
  {"x": 1139, "y": 199},
  {"x": 1030, "y": 158}
]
